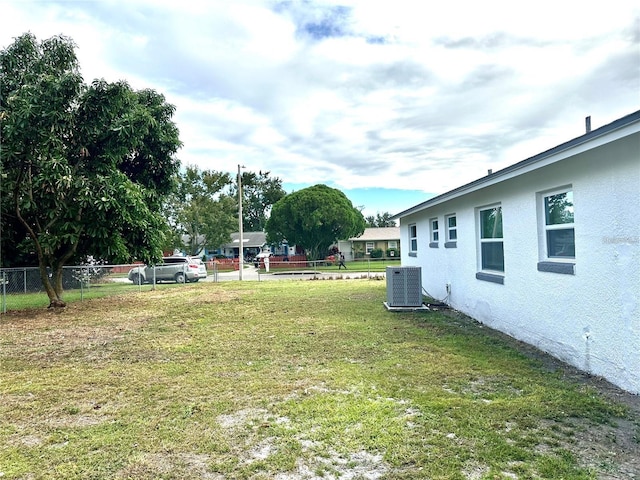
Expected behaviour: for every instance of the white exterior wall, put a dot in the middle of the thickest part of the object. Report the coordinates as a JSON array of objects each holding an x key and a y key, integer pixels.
[
  {"x": 590, "y": 319},
  {"x": 346, "y": 247}
]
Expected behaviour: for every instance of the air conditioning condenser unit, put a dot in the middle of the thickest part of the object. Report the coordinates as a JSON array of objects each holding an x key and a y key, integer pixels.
[{"x": 404, "y": 286}]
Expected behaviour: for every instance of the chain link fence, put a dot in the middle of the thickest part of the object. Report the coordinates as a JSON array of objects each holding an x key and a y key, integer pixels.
[{"x": 22, "y": 288}]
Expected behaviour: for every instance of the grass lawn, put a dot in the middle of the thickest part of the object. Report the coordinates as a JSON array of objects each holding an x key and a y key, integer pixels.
[
  {"x": 105, "y": 289},
  {"x": 364, "y": 265},
  {"x": 353, "y": 266},
  {"x": 291, "y": 380}
]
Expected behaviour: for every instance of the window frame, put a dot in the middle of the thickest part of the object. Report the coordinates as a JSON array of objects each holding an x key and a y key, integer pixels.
[
  {"x": 554, "y": 263},
  {"x": 392, "y": 245},
  {"x": 367, "y": 249},
  {"x": 434, "y": 232},
  {"x": 482, "y": 241},
  {"x": 451, "y": 240},
  {"x": 413, "y": 238}
]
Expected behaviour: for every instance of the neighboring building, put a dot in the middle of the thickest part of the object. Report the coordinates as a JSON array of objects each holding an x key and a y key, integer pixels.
[
  {"x": 546, "y": 250},
  {"x": 386, "y": 239},
  {"x": 185, "y": 250},
  {"x": 252, "y": 243}
]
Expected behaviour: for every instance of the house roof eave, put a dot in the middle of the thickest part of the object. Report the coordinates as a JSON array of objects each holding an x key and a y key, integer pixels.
[{"x": 380, "y": 234}]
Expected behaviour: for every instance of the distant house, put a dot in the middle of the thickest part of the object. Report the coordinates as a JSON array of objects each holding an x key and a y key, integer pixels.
[
  {"x": 386, "y": 239},
  {"x": 186, "y": 239},
  {"x": 546, "y": 250},
  {"x": 252, "y": 243}
]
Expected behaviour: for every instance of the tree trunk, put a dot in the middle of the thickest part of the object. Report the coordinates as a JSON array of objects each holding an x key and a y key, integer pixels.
[
  {"x": 54, "y": 291},
  {"x": 314, "y": 252},
  {"x": 57, "y": 285},
  {"x": 55, "y": 299}
]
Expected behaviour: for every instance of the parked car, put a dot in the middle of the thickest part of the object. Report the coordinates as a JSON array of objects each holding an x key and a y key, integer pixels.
[
  {"x": 202, "y": 268},
  {"x": 176, "y": 269}
]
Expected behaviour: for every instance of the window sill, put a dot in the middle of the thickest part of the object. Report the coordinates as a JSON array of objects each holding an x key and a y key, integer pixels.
[
  {"x": 413, "y": 254},
  {"x": 557, "y": 267},
  {"x": 490, "y": 277},
  {"x": 450, "y": 245},
  {"x": 433, "y": 245}
]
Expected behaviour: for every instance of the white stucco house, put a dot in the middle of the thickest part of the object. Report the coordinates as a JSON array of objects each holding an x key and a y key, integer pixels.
[{"x": 546, "y": 250}]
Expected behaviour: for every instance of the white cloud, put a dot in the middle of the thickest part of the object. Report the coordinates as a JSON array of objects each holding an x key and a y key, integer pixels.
[{"x": 366, "y": 93}]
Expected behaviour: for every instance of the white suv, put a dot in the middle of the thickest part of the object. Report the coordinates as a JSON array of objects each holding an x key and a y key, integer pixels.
[{"x": 177, "y": 269}]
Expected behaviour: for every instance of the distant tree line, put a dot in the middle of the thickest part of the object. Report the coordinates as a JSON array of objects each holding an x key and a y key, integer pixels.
[
  {"x": 380, "y": 220},
  {"x": 203, "y": 209}
]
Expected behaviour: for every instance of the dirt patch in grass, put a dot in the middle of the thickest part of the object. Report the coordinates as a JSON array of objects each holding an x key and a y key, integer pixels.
[
  {"x": 315, "y": 462},
  {"x": 169, "y": 465},
  {"x": 355, "y": 466}
]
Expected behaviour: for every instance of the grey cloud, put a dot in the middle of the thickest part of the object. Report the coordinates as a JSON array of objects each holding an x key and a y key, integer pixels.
[
  {"x": 334, "y": 153},
  {"x": 633, "y": 32},
  {"x": 486, "y": 76},
  {"x": 402, "y": 74},
  {"x": 621, "y": 71},
  {"x": 491, "y": 41}
]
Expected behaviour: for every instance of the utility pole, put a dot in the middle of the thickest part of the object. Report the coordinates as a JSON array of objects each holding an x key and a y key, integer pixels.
[{"x": 241, "y": 240}]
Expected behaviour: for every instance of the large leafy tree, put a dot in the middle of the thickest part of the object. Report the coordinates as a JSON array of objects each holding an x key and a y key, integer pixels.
[
  {"x": 314, "y": 218},
  {"x": 259, "y": 193},
  {"x": 85, "y": 168},
  {"x": 201, "y": 210}
]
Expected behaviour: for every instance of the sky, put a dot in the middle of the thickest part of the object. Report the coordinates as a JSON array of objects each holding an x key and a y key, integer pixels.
[{"x": 390, "y": 102}]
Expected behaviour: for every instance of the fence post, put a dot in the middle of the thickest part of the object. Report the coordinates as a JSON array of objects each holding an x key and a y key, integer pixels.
[
  {"x": 84, "y": 276},
  {"x": 24, "y": 279},
  {"x": 4, "y": 292}
]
